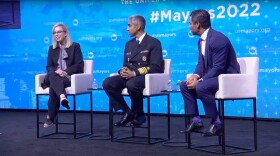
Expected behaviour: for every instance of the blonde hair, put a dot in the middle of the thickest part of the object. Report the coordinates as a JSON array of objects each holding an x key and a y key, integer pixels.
[{"x": 68, "y": 38}]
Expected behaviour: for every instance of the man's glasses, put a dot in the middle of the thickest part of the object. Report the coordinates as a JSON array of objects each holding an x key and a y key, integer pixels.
[{"x": 59, "y": 32}]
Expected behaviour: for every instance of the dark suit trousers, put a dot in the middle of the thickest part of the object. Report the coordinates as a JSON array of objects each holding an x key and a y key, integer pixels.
[
  {"x": 205, "y": 91},
  {"x": 57, "y": 87},
  {"x": 113, "y": 87}
]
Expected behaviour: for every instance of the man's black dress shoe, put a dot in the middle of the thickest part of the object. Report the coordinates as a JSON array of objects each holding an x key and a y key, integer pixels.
[
  {"x": 138, "y": 121},
  {"x": 194, "y": 126},
  {"x": 212, "y": 130},
  {"x": 124, "y": 120}
]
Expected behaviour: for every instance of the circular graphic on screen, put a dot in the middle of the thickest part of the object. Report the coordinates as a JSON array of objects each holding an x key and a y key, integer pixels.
[
  {"x": 75, "y": 22},
  {"x": 253, "y": 51},
  {"x": 90, "y": 55},
  {"x": 46, "y": 40},
  {"x": 114, "y": 37},
  {"x": 164, "y": 52}
]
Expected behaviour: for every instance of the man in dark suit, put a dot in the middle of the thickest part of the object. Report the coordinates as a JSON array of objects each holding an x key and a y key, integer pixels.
[
  {"x": 216, "y": 56},
  {"x": 142, "y": 55}
]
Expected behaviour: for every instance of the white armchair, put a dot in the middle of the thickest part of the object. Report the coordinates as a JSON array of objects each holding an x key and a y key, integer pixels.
[
  {"x": 79, "y": 85},
  {"x": 241, "y": 86},
  {"x": 155, "y": 83}
]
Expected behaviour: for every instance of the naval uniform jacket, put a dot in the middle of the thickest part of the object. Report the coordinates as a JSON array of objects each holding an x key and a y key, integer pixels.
[{"x": 145, "y": 57}]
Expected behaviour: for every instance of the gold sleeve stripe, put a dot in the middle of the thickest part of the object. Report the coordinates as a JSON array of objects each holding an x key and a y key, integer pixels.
[{"x": 143, "y": 70}]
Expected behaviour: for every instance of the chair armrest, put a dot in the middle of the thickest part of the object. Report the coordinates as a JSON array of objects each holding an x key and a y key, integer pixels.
[
  {"x": 80, "y": 82},
  {"x": 39, "y": 78},
  {"x": 236, "y": 86},
  {"x": 155, "y": 83}
]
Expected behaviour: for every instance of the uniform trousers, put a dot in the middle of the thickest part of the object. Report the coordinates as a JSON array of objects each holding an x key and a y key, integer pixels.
[{"x": 113, "y": 87}]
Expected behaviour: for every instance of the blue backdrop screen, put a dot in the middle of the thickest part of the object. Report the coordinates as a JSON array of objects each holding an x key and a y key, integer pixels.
[{"x": 100, "y": 28}]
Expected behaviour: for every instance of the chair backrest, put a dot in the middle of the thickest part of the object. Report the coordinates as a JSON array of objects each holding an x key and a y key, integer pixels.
[
  {"x": 249, "y": 66},
  {"x": 167, "y": 66},
  {"x": 88, "y": 66}
]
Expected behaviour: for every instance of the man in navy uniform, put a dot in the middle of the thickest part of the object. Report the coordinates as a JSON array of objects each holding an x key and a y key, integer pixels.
[{"x": 142, "y": 55}]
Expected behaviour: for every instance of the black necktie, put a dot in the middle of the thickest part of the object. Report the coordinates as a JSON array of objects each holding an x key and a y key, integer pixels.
[{"x": 137, "y": 42}]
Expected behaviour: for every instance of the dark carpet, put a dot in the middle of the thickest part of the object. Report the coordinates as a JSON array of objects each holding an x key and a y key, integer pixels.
[{"x": 18, "y": 137}]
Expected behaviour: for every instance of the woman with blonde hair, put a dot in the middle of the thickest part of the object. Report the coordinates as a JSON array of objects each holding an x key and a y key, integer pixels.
[{"x": 64, "y": 59}]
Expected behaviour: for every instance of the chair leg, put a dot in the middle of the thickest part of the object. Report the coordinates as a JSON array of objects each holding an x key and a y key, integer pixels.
[
  {"x": 74, "y": 116},
  {"x": 56, "y": 125},
  {"x": 221, "y": 115},
  {"x": 111, "y": 121},
  {"x": 223, "y": 128},
  {"x": 148, "y": 139},
  {"x": 222, "y": 138},
  {"x": 188, "y": 135},
  {"x": 74, "y": 123},
  {"x": 91, "y": 114},
  {"x": 37, "y": 114},
  {"x": 168, "y": 116},
  {"x": 149, "y": 121},
  {"x": 255, "y": 124}
]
